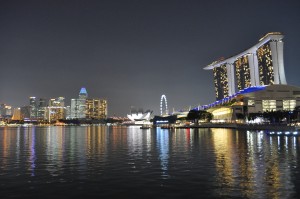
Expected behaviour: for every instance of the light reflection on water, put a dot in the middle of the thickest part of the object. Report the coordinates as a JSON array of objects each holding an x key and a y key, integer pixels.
[{"x": 131, "y": 162}]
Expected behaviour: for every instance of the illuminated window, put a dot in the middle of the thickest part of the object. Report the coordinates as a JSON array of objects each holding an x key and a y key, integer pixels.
[
  {"x": 289, "y": 105},
  {"x": 221, "y": 82},
  {"x": 265, "y": 65},
  {"x": 242, "y": 72},
  {"x": 250, "y": 102},
  {"x": 269, "y": 105}
]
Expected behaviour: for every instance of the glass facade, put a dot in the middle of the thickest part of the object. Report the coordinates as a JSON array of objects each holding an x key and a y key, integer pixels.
[
  {"x": 78, "y": 108},
  {"x": 221, "y": 82},
  {"x": 265, "y": 65},
  {"x": 242, "y": 72}
]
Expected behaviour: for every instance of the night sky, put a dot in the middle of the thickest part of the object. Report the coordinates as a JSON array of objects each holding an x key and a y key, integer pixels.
[{"x": 131, "y": 52}]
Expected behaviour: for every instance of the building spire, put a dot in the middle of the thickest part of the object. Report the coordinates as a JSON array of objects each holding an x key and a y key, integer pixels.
[{"x": 83, "y": 93}]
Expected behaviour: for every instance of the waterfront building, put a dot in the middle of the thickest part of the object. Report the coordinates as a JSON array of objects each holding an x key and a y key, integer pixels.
[
  {"x": 252, "y": 82},
  {"x": 42, "y": 109},
  {"x": 68, "y": 112},
  {"x": 260, "y": 65},
  {"x": 5, "y": 111},
  {"x": 256, "y": 100},
  {"x": 87, "y": 108},
  {"x": 17, "y": 114},
  {"x": 78, "y": 106},
  {"x": 138, "y": 116},
  {"x": 56, "y": 109},
  {"x": 78, "y": 109},
  {"x": 25, "y": 112},
  {"x": 33, "y": 107},
  {"x": 96, "y": 108}
]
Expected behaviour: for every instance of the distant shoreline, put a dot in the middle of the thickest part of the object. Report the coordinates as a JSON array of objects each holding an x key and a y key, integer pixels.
[{"x": 271, "y": 127}]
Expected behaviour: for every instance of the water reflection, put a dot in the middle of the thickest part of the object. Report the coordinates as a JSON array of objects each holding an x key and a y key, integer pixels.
[
  {"x": 258, "y": 165},
  {"x": 215, "y": 162},
  {"x": 162, "y": 139}
]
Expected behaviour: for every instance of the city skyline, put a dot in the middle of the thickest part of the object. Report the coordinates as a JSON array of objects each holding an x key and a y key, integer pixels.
[{"x": 132, "y": 52}]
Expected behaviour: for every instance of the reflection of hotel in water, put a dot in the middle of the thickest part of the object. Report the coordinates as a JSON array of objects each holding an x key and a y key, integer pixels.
[{"x": 262, "y": 163}]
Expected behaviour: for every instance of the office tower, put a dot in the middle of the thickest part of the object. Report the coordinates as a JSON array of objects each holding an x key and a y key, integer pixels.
[
  {"x": 5, "y": 111},
  {"x": 17, "y": 114},
  {"x": 78, "y": 106},
  {"x": 78, "y": 109},
  {"x": 56, "y": 109},
  {"x": 83, "y": 93},
  {"x": 41, "y": 109},
  {"x": 33, "y": 107},
  {"x": 96, "y": 108},
  {"x": 25, "y": 112}
]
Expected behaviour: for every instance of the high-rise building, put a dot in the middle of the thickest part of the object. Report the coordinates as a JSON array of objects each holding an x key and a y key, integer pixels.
[
  {"x": 42, "y": 109},
  {"x": 259, "y": 65},
  {"x": 96, "y": 108},
  {"x": 221, "y": 81},
  {"x": 56, "y": 109},
  {"x": 33, "y": 107},
  {"x": 78, "y": 106},
  {"x": 83, "y": 93},
  {"x": 25, "y": 112},
  {"x": 84, "y": 108},
  {"x": 5, "y": 111},
  {"x": 17, "y": 114}
]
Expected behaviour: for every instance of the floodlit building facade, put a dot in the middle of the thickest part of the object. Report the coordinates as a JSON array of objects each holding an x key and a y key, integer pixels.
[
  {"x": 6, "y": 111},
  {"x": 78, "y": 109},
  {"x": 42, "y": 109},
  {"x": 78, "y": 106},
  {"x": 56, "y": 109},
  {"x": 33, "y": 107},
  {"x": 96, "y": 108},
  {"x": 252, "y": 82},
  {"x": 260, "y": 65}
]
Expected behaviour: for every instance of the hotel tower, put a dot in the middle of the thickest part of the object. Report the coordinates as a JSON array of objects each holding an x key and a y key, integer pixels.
[{"x": 259, "y": 65}]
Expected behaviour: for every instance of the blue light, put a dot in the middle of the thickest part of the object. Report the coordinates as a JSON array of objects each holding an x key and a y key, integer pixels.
[{"x": 83, "y": 91}]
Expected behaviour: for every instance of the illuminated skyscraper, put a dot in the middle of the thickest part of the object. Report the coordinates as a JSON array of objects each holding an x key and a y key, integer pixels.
[
  {"x": 96, "y": 108},
  {"x": 25, "y": 112},
  {"x": 78, "y": 106},
  {"x": 17, "y": 114},
  {"x": 221, "y": 82},
  {"x": 56, "y": 109},
  {"x": 5, "y": 111},
  {"x": 83, "y": 93},
  {"x": 33, "y": 107},
  {"x": 41, "y": 109},
  {"x": 260, "y": 65}
]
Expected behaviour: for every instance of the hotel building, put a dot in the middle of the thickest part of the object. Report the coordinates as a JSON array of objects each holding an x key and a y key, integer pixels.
[
  {"x": 253, "y": 81},
  {"x": 260, "y": 65}
]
